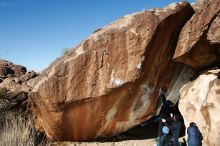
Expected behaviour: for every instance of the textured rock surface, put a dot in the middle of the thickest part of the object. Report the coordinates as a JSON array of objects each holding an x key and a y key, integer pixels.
[
  {"x": 13, "y": 85},
  {"x": 200, "y": 103},
  {"x": 214, "y": 31},
  {"x": 110, "y": 82},
  {"x": 9, "y": 69},
  {"x": 194, "y": 48}
]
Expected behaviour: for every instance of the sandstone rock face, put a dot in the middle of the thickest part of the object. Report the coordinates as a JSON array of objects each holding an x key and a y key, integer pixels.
[
  {"x": 198, "y": 44},
  {"x": 110, "y": 82},
  {"x": 214, "y": 31},
  {"x": 200, "y": 103}
]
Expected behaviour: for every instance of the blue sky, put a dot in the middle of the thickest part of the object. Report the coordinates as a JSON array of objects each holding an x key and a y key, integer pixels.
[{"x": 34, "y": 32}]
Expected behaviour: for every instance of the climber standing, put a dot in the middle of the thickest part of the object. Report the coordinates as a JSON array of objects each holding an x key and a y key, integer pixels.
[
  {"x": 175, "y": 127},
  {"x": 165, "y": 136},
  {"x": 194, "y": 135},
  {"x": 166, "y": 109}
]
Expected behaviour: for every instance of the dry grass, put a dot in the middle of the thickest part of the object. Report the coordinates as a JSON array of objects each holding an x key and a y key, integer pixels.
[
  {"x": 16, "y": 126},
  {"x": 16, "y": 130}
]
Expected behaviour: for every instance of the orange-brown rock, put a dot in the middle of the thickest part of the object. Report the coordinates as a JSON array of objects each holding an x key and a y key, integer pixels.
[
  {"x": 200, "y": 103},
  {"x": 195, "y": 45},
  {"x": 110, "y": 82}
]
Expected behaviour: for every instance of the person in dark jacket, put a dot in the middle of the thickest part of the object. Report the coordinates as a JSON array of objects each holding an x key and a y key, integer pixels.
[
  {"x": 175, "y": 130},
  {"x": 166, "y": 135},
  {"x": 164, "y": 139},
  {"x": 167, "y": 108},
  {"x": 167, "y": 105},
  {"x": 194, "y": 135}
]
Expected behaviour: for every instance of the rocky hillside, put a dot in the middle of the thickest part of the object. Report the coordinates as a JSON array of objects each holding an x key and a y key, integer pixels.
[
  {"x": 14, "y": 88},
  {"x": 110, "y": 82},
  {"x": 15, "y": 120}
]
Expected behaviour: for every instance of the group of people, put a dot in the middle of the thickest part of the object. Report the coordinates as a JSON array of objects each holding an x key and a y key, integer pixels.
[
  {"x": 170, "y": 123},
  {"x": 170, "y": 134},
  {"x": 170, "y": 130}
]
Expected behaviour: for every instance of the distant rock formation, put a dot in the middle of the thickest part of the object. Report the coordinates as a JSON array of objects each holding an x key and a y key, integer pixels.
[
  {"x": 199, "y": 40},
  {"x": 200, "y": 103},
  {"x": 110, "y": 82},
  {"x": 13, "y": 85},
  {"x": 8, "y": 69}
]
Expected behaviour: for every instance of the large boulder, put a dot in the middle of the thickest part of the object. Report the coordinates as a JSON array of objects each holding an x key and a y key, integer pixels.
[
  {"x": 199, "y": 44},
  {"x": 200, "y": 103},
  {"x": 110, "y": 82}
]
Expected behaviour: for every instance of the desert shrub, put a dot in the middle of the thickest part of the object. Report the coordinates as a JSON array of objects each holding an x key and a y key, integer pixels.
[
  {"x": 66, "y": 50},
  {"x": 3, "y": 93}
]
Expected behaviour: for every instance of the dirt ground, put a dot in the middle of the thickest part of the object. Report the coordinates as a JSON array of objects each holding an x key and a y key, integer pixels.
[
  {"x": 146, "y": 142},
  {"x": 137, "y": 136}
]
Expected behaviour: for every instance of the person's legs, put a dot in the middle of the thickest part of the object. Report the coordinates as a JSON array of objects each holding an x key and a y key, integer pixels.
[
  {"x": 167, "y": 140},
  {"x": 175, "y": 142},
  {"x": 162, "y": 140}
]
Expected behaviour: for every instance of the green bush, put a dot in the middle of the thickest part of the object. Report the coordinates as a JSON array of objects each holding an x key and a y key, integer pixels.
[{"x": 66, "y": 50}]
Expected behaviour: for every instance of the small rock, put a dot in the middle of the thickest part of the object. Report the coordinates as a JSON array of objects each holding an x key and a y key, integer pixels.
[
  {"x": 29, "y": 75},
  {"x": 5, "y": 71}
]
